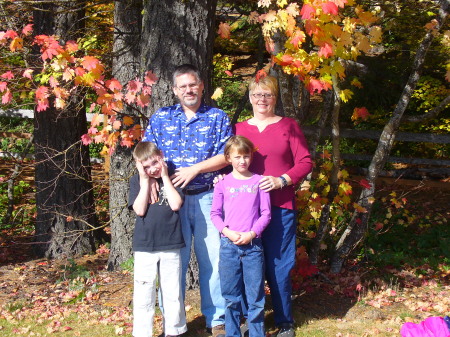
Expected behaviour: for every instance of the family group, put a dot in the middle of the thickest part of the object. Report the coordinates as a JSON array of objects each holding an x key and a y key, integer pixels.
[{"x": 242, "y": 226}]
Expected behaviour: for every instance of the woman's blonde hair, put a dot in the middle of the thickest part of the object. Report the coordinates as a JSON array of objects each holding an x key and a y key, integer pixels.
[
  {"x": 267, "y": 82},
  {"x": 241, "y": 144},
  {"x": 145, "y": 150}
]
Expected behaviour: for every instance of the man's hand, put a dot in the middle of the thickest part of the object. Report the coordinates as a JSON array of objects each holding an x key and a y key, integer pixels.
[{"x": 184, "y": 176}]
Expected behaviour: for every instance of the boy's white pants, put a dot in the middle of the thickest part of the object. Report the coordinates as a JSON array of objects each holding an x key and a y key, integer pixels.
[{"x": 146, "y": 268}]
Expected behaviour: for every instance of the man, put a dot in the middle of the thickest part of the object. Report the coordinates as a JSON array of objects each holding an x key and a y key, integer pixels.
[{"x": 192, "y": 137}]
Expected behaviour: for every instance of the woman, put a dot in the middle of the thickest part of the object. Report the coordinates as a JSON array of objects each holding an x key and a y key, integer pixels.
[{"x": 282, "y": 157}]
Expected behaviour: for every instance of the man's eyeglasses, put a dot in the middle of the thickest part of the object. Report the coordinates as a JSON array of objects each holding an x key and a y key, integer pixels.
[
  {"x": 192, "y": 86},
  {"x": 260, "y": 96}
]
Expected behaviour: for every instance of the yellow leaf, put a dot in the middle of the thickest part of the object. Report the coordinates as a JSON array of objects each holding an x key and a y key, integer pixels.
[
  {"x": 345, "y": 95},
  {"x": 375, "y": 34},
  {"x": 281, "y": 3},
  {"x": 217, "y": 94}
]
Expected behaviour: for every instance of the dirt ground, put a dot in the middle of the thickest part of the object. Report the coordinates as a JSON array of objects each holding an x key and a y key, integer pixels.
[{"x": 326, "y": 302}]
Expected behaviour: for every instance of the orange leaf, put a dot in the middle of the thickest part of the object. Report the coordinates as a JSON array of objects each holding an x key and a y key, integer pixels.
[
  {"x": 127, "y": 120},
  {"x": 16, "y": 44},
  {"x": 69, "y": 218},
  {"x": 224, "y": 30},
  {"x": 71, "y": 46},
  {"x": 117, "y": 125}
]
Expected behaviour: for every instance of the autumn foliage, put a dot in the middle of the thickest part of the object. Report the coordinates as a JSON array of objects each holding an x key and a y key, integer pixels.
[{"x": 64, "y": 70}]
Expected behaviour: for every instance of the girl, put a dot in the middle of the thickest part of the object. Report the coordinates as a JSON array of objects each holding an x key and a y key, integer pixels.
[{"x": 240, "y": 211}]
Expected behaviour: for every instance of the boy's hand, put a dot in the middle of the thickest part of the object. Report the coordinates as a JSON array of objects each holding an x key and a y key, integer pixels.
[
  {"x": 164, "y": 169},
  {"x": 141, "y": 171}
]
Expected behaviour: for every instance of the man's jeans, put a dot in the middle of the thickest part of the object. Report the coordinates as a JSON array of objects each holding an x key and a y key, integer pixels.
[
  {"x": 242, "y": 267},
  {"x": 196, "y": 223},
  {"x": 279, "y": 252}
]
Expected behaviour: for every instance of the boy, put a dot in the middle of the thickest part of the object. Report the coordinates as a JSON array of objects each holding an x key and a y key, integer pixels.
[
  {"x": 241, "y": 211},
  {"x": 157, "y": 242}
]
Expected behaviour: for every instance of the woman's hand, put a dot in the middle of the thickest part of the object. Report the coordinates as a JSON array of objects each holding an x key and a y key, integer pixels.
[
  {"x": 218, "y": 178},
  {"x": 269, "y": 183}
]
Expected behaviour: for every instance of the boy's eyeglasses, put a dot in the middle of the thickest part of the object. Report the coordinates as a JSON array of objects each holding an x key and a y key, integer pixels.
[{"x": 260, "y": 96}]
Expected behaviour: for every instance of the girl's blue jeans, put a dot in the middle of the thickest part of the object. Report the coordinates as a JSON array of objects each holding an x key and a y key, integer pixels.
[{"x": 242, "y": 267}]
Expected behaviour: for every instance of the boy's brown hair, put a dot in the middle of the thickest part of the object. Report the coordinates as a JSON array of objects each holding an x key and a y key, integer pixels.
[
  {"x": 241, "y": 144},
  {"x": 145, "y": 150}
]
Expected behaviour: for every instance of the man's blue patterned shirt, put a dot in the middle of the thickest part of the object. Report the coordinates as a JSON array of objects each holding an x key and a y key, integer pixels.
[{"x": 184, "y": 142}]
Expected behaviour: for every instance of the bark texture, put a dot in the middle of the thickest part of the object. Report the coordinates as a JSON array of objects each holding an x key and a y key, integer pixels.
[
  {"x": 177, "y": 32},
  {"x": 64, "y": 196},
  {"x": 126, "y": 56}
]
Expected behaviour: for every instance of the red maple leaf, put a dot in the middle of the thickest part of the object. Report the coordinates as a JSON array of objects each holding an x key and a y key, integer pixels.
[
  {"x": 307, "y": 12},
  {"x": 27, "y": 29},
  {"x": 86, "y": 139},
  {"x": 150, "y": 78},
  {"x": 10, "y": 34},
  {"x": 260, "y": 74},
  {"x": 364, "y": 183},
  {"x": 360, "y": 113},
  {"x": 113, "y": 84},
  {"x": 326, "y": 50},
  {"x": 3, "y": 86},
  {"x": 330, "y": 8},
  {"x": 90, "y": 62},
  {"x": 7, "y": 97},
  {"x": 285, "y": 60},
  {"x": 8, "y": 75},
  {"x": 134, "y": 86}
]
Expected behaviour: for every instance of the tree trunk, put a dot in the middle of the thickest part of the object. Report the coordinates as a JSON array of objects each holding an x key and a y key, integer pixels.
[
  {"x": 177, "y": 32},
  {"x": 126, "y": 56},
  {"x": 358, "y": 225},
  {"x": 64, "y": 196},
  {"x": 334, "y": 181}
]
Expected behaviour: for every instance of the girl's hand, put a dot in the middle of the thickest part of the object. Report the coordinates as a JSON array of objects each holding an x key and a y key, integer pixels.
[
  {"x": 269, "y": 183},
  {"x": 231, "y": 234},
  {"x": 245, "y": 238}
]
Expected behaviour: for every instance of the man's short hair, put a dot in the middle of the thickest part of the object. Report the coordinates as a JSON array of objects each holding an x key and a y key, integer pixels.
[
  {"x": 145, "y": 150},
  {"x": 186, "y": 69}
]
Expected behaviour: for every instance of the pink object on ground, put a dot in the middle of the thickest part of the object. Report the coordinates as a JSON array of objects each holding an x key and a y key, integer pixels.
[{"x": 430, "y": 327}]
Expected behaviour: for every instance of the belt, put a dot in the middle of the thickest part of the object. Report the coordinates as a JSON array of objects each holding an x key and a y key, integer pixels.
[{"x": 197, "y": 190}]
